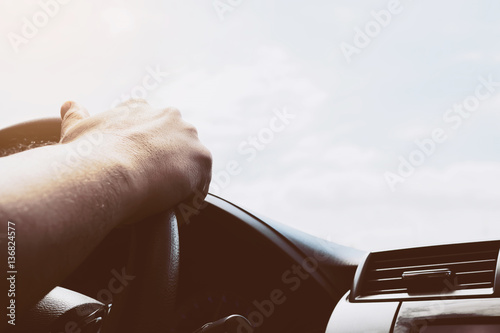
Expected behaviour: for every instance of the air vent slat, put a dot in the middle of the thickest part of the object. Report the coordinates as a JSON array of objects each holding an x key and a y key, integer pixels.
[
  {"x": 445, "y": 264},
  {"x": 467, "y": 267},
  {"x": 388, "y": 291},
  {"x": 476, "y": 272},
  {"x": 386, "y": 279},
  {"x": 476, "y": 284},
  {"x": 492, "y": 254}
]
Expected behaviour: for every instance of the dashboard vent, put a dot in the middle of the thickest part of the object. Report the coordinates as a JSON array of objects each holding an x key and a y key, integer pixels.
[{"x": 448, "y": 270}]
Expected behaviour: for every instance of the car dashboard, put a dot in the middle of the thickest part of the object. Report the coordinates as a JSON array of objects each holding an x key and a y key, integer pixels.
[
  {"x": 229, "y": 267},
  {"x": 283, "y": 280},
  {"x": 232, "y": 262},
  {"x": 433, "y": 289}
]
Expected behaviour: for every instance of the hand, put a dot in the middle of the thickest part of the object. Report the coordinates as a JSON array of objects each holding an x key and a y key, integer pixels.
[{"x": 162, "y": 159}]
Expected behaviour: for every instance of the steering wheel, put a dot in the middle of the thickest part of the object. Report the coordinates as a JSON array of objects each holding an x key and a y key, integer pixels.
[{"x": 147, "y": 303}]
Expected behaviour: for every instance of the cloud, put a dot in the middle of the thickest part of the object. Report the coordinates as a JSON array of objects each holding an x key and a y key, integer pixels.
[{"x": 339, "y": 196}]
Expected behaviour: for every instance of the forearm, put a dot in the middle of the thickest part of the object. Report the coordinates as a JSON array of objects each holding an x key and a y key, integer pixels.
[
  {"x": 148, "y": 161},
  {"x": 61, "y": 210}
]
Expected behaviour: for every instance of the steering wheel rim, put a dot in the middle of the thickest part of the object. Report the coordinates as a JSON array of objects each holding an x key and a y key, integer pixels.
[{"x": 147, "y": 303}]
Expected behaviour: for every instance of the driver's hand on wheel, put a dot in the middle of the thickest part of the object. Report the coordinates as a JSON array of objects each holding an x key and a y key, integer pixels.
[
  {"x": 162, "y": 159},
  {"x": 131, "y": 162}
]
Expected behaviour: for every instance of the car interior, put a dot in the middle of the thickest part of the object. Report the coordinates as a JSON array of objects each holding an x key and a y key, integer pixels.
[{"x": 226, "y": 269}]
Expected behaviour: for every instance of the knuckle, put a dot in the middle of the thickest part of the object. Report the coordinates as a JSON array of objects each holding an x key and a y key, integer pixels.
[
  {"x": 173, "y": 111},
  {"x": 73, "y": 114},
  {"x": 70, "y": 114},
  {"x": 191, "y": 129},
  {"x": 206, "y": 155}
]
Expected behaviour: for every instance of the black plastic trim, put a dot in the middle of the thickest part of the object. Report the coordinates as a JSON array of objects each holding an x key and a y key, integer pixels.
[{"x": 274, "y": 236}]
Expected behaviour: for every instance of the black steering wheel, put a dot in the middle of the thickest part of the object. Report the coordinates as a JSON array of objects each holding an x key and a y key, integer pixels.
[{"x": 147, "y": 303}]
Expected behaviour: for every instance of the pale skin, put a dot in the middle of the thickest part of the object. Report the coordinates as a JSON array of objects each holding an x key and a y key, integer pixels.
[{"x": 148, "y": 160}]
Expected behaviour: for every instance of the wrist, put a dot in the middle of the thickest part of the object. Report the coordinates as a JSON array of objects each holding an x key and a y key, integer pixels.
[{"x": 113, "y": 170}]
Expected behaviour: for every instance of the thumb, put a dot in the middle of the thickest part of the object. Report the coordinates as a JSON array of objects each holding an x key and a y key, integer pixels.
[{"x": 71, "y": 114}]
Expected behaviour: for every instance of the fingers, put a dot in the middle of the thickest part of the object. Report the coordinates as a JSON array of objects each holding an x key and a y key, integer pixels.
[{"x": 71, "y": 114}]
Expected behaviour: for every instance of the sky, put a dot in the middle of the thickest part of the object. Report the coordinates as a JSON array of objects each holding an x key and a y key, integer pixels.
[{"x": 371, "y": 123}]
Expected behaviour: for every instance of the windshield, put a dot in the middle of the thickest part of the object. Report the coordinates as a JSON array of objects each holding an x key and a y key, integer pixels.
[{"x": 370, "y": 123}]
